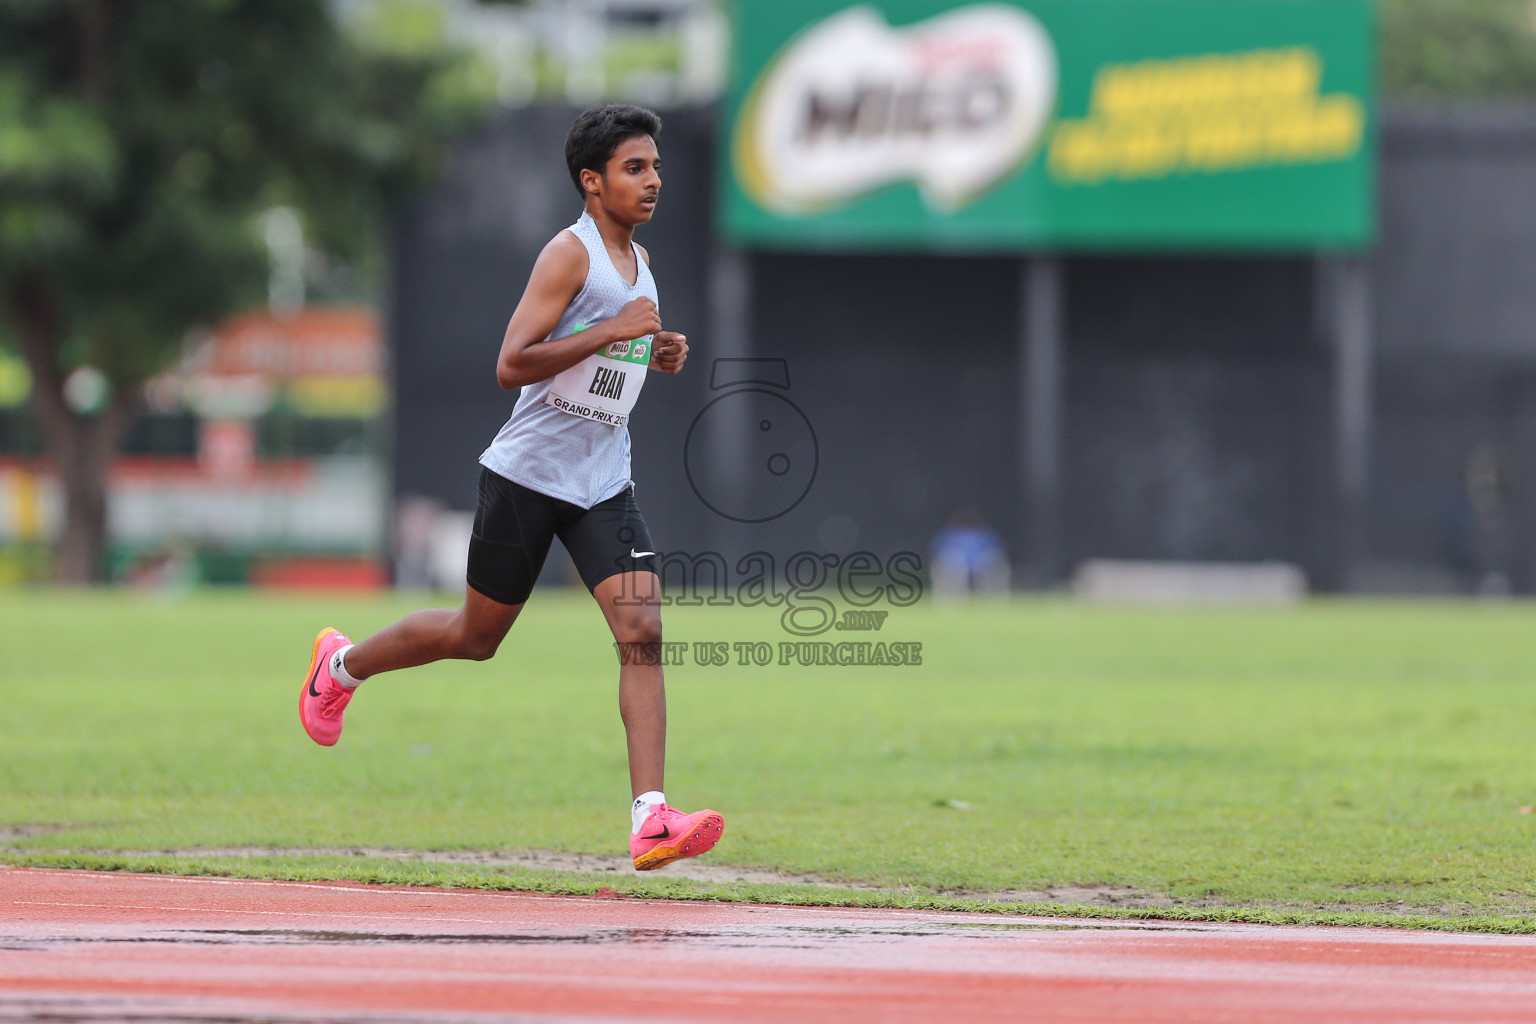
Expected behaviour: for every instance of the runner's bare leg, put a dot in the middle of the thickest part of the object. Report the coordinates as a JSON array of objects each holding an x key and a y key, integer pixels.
[
  {"x": 473, "y": 632},
  {"x": 642, "y": 691}
]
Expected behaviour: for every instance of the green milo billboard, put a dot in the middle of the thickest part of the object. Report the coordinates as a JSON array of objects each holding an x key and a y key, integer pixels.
[{"x": 1071, "y": 124}]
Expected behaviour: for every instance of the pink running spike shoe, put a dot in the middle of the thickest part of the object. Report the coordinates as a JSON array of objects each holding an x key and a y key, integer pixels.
[
  {"x": 669, "y": 835},
  {"x": 322, "y": 700}
]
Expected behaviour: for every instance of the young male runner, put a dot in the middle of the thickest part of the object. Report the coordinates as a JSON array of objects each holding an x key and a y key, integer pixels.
[{"x": 578, "y": 345}]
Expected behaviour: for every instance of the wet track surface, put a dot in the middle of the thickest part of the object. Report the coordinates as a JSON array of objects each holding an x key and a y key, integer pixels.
[{"x": 81, "y": 946}]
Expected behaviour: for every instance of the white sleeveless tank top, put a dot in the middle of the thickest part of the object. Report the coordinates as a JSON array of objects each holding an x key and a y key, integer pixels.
[{"x": 563, "y": 454}]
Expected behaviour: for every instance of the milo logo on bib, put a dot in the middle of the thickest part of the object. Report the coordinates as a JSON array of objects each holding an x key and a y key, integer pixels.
[
  {"x": 603, "y": 387},
  {"x": 637, "y": 351}
]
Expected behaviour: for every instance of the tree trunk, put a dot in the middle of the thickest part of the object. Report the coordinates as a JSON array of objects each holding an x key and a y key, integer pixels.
[{"x": 82, "y": 446}]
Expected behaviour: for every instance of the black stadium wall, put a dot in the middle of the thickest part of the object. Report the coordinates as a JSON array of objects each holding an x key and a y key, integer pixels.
[{"x": 1197, "y": 394}]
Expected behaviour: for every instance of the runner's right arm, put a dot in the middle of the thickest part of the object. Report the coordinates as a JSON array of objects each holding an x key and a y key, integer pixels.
[{"x": 558, "y": 275}]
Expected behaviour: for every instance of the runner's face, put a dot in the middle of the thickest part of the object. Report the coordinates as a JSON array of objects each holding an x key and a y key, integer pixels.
[{"x": 632, "y": 180}]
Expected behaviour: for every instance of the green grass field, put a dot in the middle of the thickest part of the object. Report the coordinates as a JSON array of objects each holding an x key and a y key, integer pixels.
[{"x": 1360, "y": 762}]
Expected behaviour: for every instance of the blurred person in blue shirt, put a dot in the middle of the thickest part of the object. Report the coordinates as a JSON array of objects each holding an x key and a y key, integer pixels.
[{"x": 968, "y": 557}]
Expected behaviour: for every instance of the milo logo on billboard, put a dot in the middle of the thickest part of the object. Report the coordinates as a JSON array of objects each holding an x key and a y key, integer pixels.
[{"x": 953, "y": 104}]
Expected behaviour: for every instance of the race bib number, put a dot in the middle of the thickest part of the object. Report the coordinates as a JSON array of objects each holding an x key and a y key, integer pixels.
[{"x": 603, "y": 387}]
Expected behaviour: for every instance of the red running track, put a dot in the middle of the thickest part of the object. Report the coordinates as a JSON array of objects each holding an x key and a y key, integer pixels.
[{"x": 81, "y": 946}]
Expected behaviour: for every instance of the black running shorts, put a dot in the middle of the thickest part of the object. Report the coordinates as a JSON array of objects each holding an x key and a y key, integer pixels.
[{"x": 514, "y": 525}]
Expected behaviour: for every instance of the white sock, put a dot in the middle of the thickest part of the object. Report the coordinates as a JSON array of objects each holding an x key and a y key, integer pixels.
[
  {"x": 641, "y": 808},
  {"x": 339, "y": 669}
]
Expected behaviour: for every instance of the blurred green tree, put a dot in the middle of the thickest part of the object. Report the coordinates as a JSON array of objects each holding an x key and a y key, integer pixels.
[
  {"x": 139, "y": 143},
  {"x": 1457, "y": 48}
]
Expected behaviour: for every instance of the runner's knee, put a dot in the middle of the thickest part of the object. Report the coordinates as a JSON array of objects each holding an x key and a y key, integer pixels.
[
  {"x": 480, "y": 650},
  {"x": 477, "y": 645},
  {"x": 640, "y": 625}
]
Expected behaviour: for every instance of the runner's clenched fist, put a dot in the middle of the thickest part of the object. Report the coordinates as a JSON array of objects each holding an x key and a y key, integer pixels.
[{"x": 669, "y": 351}]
